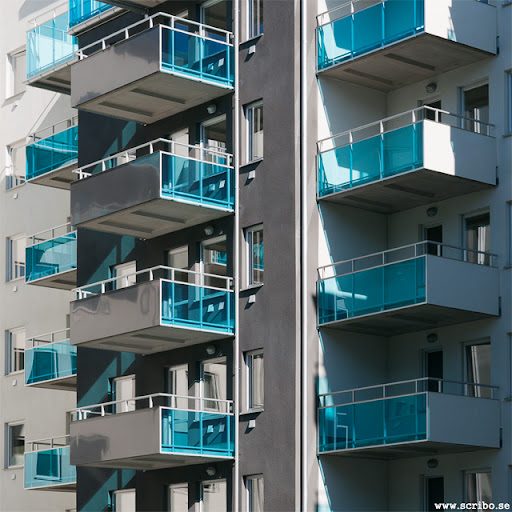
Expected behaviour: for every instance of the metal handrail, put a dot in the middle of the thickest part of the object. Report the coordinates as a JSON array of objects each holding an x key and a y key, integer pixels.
[
  {"x": 439, "y": 114},
  {"x": 82, "y": 291},
  {"x": 82, "y": 413},
  {"x": 48, "y": 15},
  {"x": 71, "y": 122},
  {"x": 36, "y": 238},
  {"x": 129, "y": 153},
  {"x": 50, "y": 442},
  {"x": 383, "y": 387},
  {"x": 150, "y": 19},
  {"x": 31, "y": 342},
  {"x": 492, "y": 257}
]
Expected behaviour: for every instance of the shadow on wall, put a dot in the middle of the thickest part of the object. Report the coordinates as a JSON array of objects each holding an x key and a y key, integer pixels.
[{"x": 29, "y": 7}]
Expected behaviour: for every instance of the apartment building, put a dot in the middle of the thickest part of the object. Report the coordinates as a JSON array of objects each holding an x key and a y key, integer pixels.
[{"x": 362, "y": 360}]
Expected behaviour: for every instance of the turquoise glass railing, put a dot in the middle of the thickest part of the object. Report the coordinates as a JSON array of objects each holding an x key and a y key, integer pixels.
[
  {"x": 197, "y": 307},
  {"x": 206, "y": 58},
  {"x": 376, "y": 289},
  {"x": 49, "y": 468},
  {"x": 51, "y": 257},
  {"x": 50, "y": 361},
  {"x": 369, "y": 160},
  {"x": 197, "y": 432},
  {"x": 49, "y": 46},
  {"x": 83, "y": 10},
  {"x": 366, "y": 30},
  {"x": 52, "y": 153},
  {"x": 374, "y": 423}
]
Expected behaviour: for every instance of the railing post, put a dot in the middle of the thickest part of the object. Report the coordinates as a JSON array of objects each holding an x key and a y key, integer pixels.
[
  {"x": 102, "y": 409},
  {"x": 151, "y": 402}
]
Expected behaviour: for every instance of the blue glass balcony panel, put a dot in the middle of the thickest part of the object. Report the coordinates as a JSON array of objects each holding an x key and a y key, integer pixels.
[
  {"x": 49, "y": 46},
  {"x": 49, "y": 362},
  {"x": 83, "y": 10},
  {"x": 49, "y": 468},
  {"x": 197, "y": 432},
  {"x": 368, "y": 30},
  {"x": 379, "y": 422},
  {"x": 370, "y": 160},
  {"x": 369, "y": 291},
  {"x": 51, "y": 257},
  {"x": 209, "y": 60},
  {"x": 52, "y": 153},
  {"x": 205, "y": 183},
  {"x": 197, "y": 307}
]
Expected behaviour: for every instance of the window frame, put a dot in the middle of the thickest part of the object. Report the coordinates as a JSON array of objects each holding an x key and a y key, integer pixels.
[
  {"x": 467, "y": 377},
  {"x": 249, "y": 132},
  {"x": 508, "y": 102},
  {"x": 9, "y": 445},
  {"x": 202, "y": 483},
  {"x": 474, "y": 472},
  {"x": 9, "y": 352},
  {"x": 130, "y": 402},
  {"x": 114, "y": 494},
  {"x": 249, "y": 244},
  {"x": 248, "y": 482},
  {"x": 486, "y": 260},
  {"x": 10, "y": 85},
  {"x": 12, "y": 177},
  {"x": 249, "y": 25},
  {"x": 176, "y": 486},
  {"x": 249, "y": 379},
  {"x": 11, "y": 270}
]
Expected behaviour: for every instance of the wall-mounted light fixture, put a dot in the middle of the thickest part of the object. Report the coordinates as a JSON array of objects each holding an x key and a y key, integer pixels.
[
  {"x": 432, "y": 212},
  {"x": 208, "y": 230},
  {"x": 211, "y": 349},
  {"x": 211, "y": 109},
  {"x": 432, "y": 463},
  {"x": 432, "y": 337},
  {"x": 431, "y": 87},
  {"x": 211, "y": 471}
]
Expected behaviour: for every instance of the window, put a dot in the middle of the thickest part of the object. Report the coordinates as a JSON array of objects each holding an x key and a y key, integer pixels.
[
  {"x": 478, "y": 369},
  {"x": 177, "y": 497},
  {"x": 15, "y": 169},
  {"x": 124, "y": 389},
  {"x": 478, "y": 238},
  {"x": 509, "y": 102},
  {"x": 178, "y": 258},
  {"x": 16, "y": 72},
  {"x": 214, "y": 261},
  {"x": 214, "y": 496},
  {"x": 255, "y": 13},
  {"x": 214, "y": 384},
  {"x": 478, "y": 487},
  {"x": 126, "y": 273},
  {"x": 254, "y": 122},
  {"x": 255, "y": 382},
  {"x": 124, "y": 501},
  {"x": 254, "y": 486},
  {"x": 16, "y": 257},
  {"x": 177, "y": 384},
  {"x": 254, "y": 241},
  {"x": 476, "y": 108},
  {"x": 15, "y": 444},
  {"x": 15, "y": 340}
]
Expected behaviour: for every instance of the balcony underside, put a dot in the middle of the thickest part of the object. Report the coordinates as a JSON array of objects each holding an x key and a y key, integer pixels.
[
  {"x": 64, "y": 384},
  {"x": 59, "y": 178},
  {"x": 156, "y": 461},
  {"x": 155, "y": 339},
  {"x": 154, "y": 97},
  {"x": 414, "y": 318},
  {"x": 405, "y": 450},
  {"x": 405, "y": 191},
  {"x": 127, "y": 4},
  {"x": 404, "y": 63},
  {"x": 57, "y": 79},
  {"x": 154, "y": 218},
  {"x": 54, "y": 488},
  {"x": 62, "y": 280}
]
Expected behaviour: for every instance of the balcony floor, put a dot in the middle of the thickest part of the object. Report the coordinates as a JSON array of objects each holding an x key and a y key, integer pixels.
[
  {"x": 154, "y": 218},
  {"x": 405, "y": 191},
  {"x": 155, "y": 339},
  {"x": 404, "y": 320},
  {"x": 404, "y": 63},
  {"x": 404, "y": 450},
  {"x": 59, "y": 178},
  {"x": 64, "y": 384},
  {"x": 54, "y": 488},
  {"x": 57, "y": 79},
  {"x": 62, "y": 280},
  {"x": 154, "y": 97}
]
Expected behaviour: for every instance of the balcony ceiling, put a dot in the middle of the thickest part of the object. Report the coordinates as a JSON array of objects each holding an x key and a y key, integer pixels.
[{"x": 61, "y": 281}]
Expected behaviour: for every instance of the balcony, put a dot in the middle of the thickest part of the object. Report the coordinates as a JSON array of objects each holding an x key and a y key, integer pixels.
[
  {"x": 170, "y": 431},
  {"x": 418, "y": 157},
  {"x": 153, "y": 310},
  {"x": 169, "y": 65},
  {"x": 387, "y": 44},
  {"x": 50, "y": 361},
  {"x": 145, "y": 4},
  {"x": 48, "y": 467},
  {"x": 411, "y": 288},
  {"x": 154, "y": 189},
  {"x": 86, "y": 12},
  {"x": 50, "y": 51},
  {"x": 51, "y": 258},
  {"x": 409, "y": 418},
  {"x": 53, "y": 155}
]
